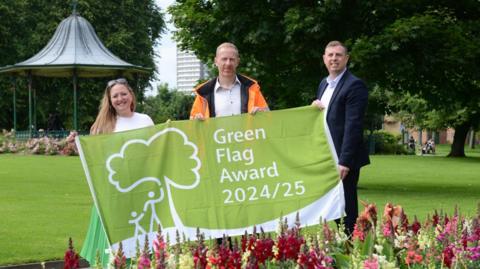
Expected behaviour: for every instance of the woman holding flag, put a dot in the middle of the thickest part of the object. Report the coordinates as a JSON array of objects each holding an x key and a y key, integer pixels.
[{"x": 116, "y": 114}]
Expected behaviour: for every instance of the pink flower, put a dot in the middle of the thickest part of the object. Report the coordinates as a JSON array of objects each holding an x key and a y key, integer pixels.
[
  {"x": 120, "y": 261},
  {"x": 387, "y": 229},
  {"x": 160, "y": 250},
  {"x": 144, "y": 262},
  {"x": 370, "y": 264},
  {"x": 474, "y": 253},
  {"x": 358, "y": 233}
]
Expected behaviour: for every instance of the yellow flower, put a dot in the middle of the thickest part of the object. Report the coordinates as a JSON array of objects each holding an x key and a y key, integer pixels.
[{"x": 186, "y": 261}]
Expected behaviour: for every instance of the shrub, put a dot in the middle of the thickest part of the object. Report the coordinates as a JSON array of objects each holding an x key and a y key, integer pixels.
[{"x": 387, "y": 143}]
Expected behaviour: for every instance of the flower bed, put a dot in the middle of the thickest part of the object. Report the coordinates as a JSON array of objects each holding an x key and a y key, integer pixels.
[
  {"x": 43, "y": 145},
  {"x": 441, "y": 242}
]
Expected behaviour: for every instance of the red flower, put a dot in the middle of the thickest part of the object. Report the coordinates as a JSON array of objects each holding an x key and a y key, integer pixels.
[
  {"x": 363, "y": 226},
  {"x": 448, "y": 256},
  {"x": 263, "y": 249},
  {"x": 415, "y": 225},
  {"x": 225, "y": 258},
  {"x": 446, "y": 220},
  {"x": 288, "y": 244},
  {"x": 213, "y": 260},
  {"x": 71, "y": 258},
  {"x": 200, "y": 257},
  {"x": 235, "y": 260},
  {"x": 199, "y": 252},
  {"x": 413, "y": 257},
  {"x": 120, "y": 261},
  {"x": 313, "y": 258},
  {"x": 435, "y": 219}
]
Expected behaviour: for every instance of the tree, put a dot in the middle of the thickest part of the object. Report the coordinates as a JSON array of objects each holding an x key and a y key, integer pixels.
[
  {"x": 130, "y": 29},
  {"x": 281, "y": 44},
  {"x": 431, "y": 56},
  {"x": 168, "y": 104}
]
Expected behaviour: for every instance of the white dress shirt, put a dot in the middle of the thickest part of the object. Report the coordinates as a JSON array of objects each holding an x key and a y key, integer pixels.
[
  {"x": 227, "y": 101},
  {"x": 327, "y": 94}
]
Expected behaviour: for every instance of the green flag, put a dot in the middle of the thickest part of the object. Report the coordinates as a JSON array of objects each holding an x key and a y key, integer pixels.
[{"x": 222, "y": 175}]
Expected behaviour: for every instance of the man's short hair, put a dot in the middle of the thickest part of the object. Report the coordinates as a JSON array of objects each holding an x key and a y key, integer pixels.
[
  {"x": 227, "y": 45},
  {"x": 335, "y": 43}
]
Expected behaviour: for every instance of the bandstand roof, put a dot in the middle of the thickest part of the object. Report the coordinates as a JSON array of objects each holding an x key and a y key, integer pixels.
[{"x": 74, "y": 47}]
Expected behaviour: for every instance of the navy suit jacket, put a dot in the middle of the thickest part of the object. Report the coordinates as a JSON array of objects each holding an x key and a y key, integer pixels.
[{"x": 345, "y": 119}]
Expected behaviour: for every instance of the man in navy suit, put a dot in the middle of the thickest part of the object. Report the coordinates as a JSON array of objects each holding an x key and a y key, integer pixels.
[{"x": 344, "y": 98}]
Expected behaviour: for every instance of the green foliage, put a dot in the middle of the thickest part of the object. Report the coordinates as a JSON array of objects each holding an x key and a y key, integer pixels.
[
  {"x": 427, "y": 49},
  {"x": 425, "y": 64},
  {"x": 129, "y": 29},
  {"x": 367, "y": 245},
  {"x": 281, "y": 43},
  {"x": 376, "y": 109},
  {"x": 342, "y": 260},
  {"x": 387, "y": 143},
  {"x": 168, "y": 105},
  {"x": 411, "y": 109},
  {"x": 287, "y": 74}
]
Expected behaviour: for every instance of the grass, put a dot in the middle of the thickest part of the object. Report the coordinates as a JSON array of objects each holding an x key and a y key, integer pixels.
[
  {"x": 423, "y": 183},
  {"x": 45, "y": 199}
]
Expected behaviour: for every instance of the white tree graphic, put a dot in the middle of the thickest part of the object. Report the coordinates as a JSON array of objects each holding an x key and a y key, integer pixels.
[{"x": 125, "y": 178}]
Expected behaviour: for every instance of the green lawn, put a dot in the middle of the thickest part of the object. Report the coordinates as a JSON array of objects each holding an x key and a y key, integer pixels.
[
  {"x": 423, "y": 183},
  {"x": 44, "y": 200}
]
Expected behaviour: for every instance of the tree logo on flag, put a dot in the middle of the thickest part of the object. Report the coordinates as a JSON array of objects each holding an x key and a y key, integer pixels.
[{"x": 125, "y": 177}]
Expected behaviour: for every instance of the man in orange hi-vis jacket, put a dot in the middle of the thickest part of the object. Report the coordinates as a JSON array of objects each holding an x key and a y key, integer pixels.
[{"x": 229, "y": 93}]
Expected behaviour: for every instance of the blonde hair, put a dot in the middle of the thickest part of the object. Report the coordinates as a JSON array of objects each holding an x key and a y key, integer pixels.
[
  {"x": 336, "y": 43},
  {"x": 107, "y": 115},
  {"x": 227, "y": 45}
]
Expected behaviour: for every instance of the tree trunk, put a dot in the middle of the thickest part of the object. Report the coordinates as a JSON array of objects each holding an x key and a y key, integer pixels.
[
  {"x": 458, "y": 145},
  {"x": 472, "y": 141}
]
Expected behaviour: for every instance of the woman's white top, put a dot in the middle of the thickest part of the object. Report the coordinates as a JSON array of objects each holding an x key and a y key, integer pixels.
[{"x": 136, "y": 121}]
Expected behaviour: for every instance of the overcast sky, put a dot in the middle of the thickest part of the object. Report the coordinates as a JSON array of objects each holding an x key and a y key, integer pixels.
[{"x": 167, "y": 51}]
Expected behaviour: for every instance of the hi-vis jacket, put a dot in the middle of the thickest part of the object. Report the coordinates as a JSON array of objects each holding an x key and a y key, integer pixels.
[{"x": 250, "y": 96}]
